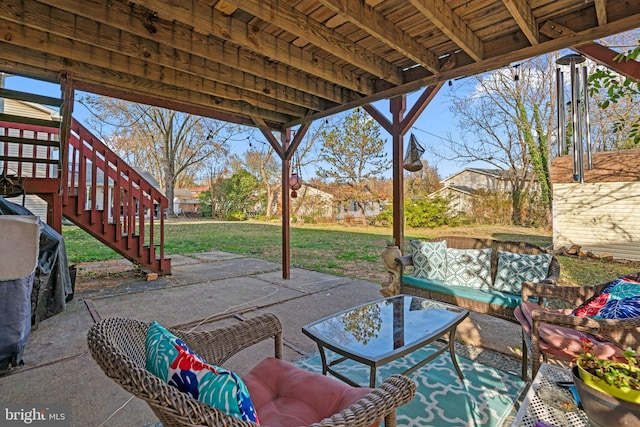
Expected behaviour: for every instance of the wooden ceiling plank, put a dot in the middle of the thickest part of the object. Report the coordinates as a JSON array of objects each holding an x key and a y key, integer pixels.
[
  {"x": 225, "y": 7},
  {"x": 374, "y": 23},
  {"x": 229, "y": 66},
  {"x": 299, "y": 24},
  {"x": 523, "y": 15},
  {"x": 601, "y": 11},
  {"x": 131, "y": 87},
  {"x": 207, "y": 20},
  {"x": 40, "y": 41},
  {"x": 443, "y": 17}
]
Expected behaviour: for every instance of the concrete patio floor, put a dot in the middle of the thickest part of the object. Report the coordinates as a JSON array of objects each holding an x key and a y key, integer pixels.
[{"x": 205, "y": 291}]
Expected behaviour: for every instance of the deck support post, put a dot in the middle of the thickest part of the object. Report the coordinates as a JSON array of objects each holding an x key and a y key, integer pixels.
[
  {"x": 398, "y": 126},
  {"x": 285, "y": 149}
]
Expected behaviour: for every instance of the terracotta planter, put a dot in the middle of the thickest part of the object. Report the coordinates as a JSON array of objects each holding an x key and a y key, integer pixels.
[{"x": 603, "y": 409}]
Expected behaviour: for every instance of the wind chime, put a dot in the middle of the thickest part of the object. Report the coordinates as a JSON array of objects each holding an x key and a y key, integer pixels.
[
  {"x": 578, "y": 121},
  {"x": 295, "y": 180}
]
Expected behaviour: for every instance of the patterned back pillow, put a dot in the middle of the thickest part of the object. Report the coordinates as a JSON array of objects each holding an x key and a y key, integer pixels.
[
  {"x": 619, "y": 300},
  {"x": 469, "y": 267},
  {"x": 429, "y": 259},
  {"x": 172, "y": 361},
  {"x": 513, "y": 269}
]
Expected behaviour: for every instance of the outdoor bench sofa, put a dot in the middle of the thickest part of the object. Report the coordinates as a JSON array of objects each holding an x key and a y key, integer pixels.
[{"x": 493, "y": 298}]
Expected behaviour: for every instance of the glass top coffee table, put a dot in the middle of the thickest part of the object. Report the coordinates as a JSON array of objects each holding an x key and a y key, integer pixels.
[{"x": 381, "y": 331}]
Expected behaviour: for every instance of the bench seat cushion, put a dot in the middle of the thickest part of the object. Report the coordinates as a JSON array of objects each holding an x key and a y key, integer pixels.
[{"x": 485, "y": 296}]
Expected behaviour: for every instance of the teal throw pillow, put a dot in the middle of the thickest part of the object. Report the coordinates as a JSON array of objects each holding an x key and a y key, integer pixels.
[
  {"x": 469, "y": 267},
  {"x": 169, "y": 358},
  {"x": 429, "y": 259},
  {"x": 514, "y": 268}
]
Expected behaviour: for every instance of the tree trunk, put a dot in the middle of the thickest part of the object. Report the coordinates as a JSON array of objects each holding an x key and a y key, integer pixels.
[{"x": 362, "y": 214}]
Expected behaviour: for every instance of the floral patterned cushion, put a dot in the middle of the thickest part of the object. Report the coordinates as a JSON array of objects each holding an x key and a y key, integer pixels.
[
  {"x": 469, "y": 267},
  {"x": 514, "y": 268},
  {"x": 619, "y": 300},
  {"x": 168, "y": 358},
  {"x": 429, "y": 259}
]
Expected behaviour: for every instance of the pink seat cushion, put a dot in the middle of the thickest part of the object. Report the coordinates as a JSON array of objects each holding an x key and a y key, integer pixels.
[
  {"x": 287, "y": 396},
  {"x": 560, "y": 341}
]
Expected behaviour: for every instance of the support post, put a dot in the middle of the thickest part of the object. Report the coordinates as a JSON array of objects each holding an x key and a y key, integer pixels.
[
  {"x": 66, "y": 113},
  {"x": 397, "y": 107},
  {"x": 398, "y": 127},
  {"x": 54, "y": 210},
  {"x": 285, "y": 149},
  {"x": 286, "y": 215}
]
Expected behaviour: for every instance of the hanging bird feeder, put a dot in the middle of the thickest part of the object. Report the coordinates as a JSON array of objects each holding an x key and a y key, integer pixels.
[{"x": 295, "y": 182}]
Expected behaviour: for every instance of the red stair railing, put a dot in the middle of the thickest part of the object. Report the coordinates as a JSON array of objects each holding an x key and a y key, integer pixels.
[{"x": 124, "y": 218}]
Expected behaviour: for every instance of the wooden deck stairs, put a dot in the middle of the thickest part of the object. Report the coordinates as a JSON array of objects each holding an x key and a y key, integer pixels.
[{"x": 81, "y": 179}]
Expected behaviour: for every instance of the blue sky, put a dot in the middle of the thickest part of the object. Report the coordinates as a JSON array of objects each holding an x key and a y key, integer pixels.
[{"x": 431, "y": 129}]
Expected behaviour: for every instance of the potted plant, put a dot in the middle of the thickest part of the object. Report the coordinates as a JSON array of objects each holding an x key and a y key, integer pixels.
[{"x": 609, "y": 390}]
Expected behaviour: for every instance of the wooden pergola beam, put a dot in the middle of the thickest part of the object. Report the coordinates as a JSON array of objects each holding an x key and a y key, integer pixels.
[
  {"x": 596, "y": 52},
  {"x": 207, "y": 20},
  {"x": 188, "y": 51},
  {"x": 23, "y": 34},
  {"x": 376, "y": 24},
  {"x": 136, "y": 86},
  {"x": 326, "y": 39},
  {"x": 523, "y": 15},
  {"x": 450, "y": 23}
]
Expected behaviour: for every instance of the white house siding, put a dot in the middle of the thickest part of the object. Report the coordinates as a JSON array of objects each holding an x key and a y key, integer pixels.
[
  {"x": 472, "y": 179},
  {"x": 601, "y": 217}
]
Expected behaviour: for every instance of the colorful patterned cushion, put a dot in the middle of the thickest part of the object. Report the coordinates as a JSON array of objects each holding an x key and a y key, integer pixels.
[
  {"x": 429, "y": 259},
  {"x": 513, "y": 269},
  {"x": 172, "y": 361},
  {"x": 619, "y": 300},
  {"x": 469, "y": 267}
]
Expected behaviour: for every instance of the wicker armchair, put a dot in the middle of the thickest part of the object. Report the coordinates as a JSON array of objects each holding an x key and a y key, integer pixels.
[
  {"x": 118, "y": 346},
  {"x": 620, "y": 333}
]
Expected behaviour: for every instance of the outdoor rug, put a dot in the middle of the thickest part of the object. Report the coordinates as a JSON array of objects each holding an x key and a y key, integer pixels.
[{"x": 484, "y": 398}]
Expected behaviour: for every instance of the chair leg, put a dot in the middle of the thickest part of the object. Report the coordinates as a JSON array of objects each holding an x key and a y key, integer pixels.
[
  {"x": 525, "y": 358},
  {"x": 390, "y": 420}
]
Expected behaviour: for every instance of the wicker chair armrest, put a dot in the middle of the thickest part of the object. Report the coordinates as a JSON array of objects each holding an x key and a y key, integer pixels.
[
  {"x": 575, "y": 295},
  {"x": 395, "y": 391},
  {"x": 404, "y": 260},
  {"x": 219, "y": 345},
  {"x": 598, "y": 327}
]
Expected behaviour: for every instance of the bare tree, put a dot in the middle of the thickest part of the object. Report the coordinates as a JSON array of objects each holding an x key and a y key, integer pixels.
[
  {"x": 169, "y": 144},
  {"x": 508, "y": 122}
]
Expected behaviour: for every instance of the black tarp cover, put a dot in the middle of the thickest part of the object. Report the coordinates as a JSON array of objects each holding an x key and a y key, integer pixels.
[{"x": 52, "y": 285}]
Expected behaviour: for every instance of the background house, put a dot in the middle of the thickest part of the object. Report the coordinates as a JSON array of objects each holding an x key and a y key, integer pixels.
[
  {"x": 35, "y": 111},
  {"x": 313, "y": 202},
  {"x": 185, "y": 201},
  {"x": 602, "y": 214},
  {"x": 459, "y": 188}
]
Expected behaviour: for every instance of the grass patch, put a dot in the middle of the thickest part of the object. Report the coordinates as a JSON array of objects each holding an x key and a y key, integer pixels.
[{"x": 342, "y": 250}]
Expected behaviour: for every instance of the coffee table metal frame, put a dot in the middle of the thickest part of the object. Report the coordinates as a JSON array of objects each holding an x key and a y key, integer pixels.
[{"x": 438, "y": 334}]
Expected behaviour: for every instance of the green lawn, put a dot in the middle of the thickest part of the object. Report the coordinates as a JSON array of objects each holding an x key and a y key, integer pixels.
[{"x": 334, "y": 249}]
